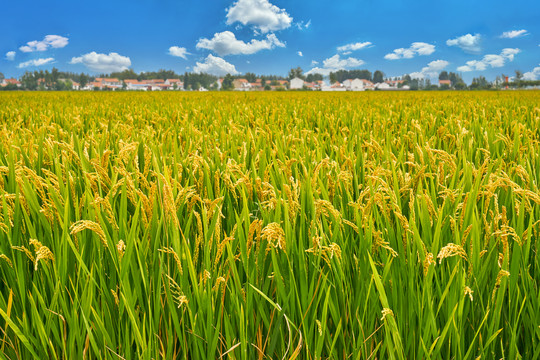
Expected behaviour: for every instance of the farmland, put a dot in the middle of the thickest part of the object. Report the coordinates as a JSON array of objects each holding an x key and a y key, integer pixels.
[{"x": 257, "y": 226}]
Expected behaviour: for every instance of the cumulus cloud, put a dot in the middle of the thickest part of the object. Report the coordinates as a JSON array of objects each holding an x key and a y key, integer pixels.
[
  {"x": 216, "y": 66},
  {"x": 490, "y": 60},
  {"x": 226, "y": 43},
  {"x": 534, "y": 74},
  {"x": 10, "y": 55},
  {"x": 514, "y": 34},
  {"x": 102, "y": 62},
  {"x": 54, "y": 41},
  {"x": 260, "y": 14},
  {"x": 300, "y": 53},
  {"x": 468, "y": 42},
  {"x": 178, "y": 52},
  {"x": 335, "y": 63},
  {"x": 35, "y": 62},
  {"x": 416, "y": 48},
  {"x": 431, "y": 70},
  {"x": 353, "y": 47}
]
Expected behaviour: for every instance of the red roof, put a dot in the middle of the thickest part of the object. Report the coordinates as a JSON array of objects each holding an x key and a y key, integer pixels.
[
  {"x": 12, "y": 81},
  {"x": 448, "y": 82}
]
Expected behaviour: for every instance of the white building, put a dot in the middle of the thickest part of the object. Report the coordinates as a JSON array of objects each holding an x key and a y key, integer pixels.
[
  {"x": 354, "y": 85},
  {"x": 382, "y": 86},
  {"x": 178, "y": 82},
  {"x": 297, "y": 83}
]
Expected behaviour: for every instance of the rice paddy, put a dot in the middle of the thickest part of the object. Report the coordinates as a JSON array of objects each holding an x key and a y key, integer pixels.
[{"x": 270, "y": 226}]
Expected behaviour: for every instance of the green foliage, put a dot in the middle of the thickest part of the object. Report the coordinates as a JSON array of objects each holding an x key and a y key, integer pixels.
[
  {"x": 227, "y": 83},
  {"x": 296, "y": 73},
  {"x": 378, "y": 76}
]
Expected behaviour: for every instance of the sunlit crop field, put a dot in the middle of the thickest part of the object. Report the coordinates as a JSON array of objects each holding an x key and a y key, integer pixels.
[{"x": 270, "y": 226}]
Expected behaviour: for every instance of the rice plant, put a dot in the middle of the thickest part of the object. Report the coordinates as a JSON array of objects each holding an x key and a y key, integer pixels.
[{"x": 270, "y": 226}]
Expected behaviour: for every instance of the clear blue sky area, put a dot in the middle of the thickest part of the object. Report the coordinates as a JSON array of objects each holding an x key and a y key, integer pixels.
[{"x": 422, "y": 38}]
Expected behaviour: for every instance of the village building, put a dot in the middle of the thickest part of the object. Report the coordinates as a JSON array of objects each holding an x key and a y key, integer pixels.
[
  {"x": 445, "y": 82},
  {"x": 241, "y": 85},
  {"x": 297, "y": 83},
  {"x": 354, "y": 84},
  {"x": 7, "y": 82}
]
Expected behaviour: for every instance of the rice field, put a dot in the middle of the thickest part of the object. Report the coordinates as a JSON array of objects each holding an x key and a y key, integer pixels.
[{"x": 270, "y": 226}]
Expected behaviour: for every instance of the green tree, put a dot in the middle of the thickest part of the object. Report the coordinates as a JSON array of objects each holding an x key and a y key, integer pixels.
[
  {"x": 1, "y": 76},
  {"x": 443, "y": 76},
  {"x": 227, "y": 83},
  {"x": 378, "y": 76},
  {"x": 314, "y": 77},
  {"x": 251, "y": 77},
  {"x": 296, "y": 73},
  {"x": 29, "y": 81},
  {"x": 333, "y": 78},
  {"x": 83, "y": 80}
]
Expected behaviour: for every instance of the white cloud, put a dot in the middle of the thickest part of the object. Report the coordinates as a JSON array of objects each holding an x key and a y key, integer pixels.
[
  {"x": 532, "y": 75},
  {"x": 514, "y": 34},
  {"x": 431, "y": 70},
  {"x": 103, "y": 62},
  {"x": 35, "y": 62},
  {"x": 353, "y": 47},
  {"x": 226, "y": 43},
  {"x": 468, "y": 42},
  {"x": 10, "y": 55},
  {"x": 216, "y": 66},
  {"x": 335, "y": 63},
  {"x": 261, "y": 14},
  {"x": 300, "y": 53},
  {"x": 509, "y": 53},
  {"x": 314, "y": 62},
  {"x": 416, "y": 48},
  {"x": 54, "y": 41},
  {"x": 178, "y": 52},
  {"x": 493, "y": 60}
]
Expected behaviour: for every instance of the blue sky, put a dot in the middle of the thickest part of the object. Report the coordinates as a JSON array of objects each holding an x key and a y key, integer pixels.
[{"x": 399, "y": 37}]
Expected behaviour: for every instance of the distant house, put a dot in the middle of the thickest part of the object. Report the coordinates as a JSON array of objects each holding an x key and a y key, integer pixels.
[
  {"x": 368, "y": 85},
  {"x": 172, "y": 82},
  {"x": 241, "y": 85},
  {"x": 7, "y": 82},
  {"x": 394, "y": 83},
  {"x": 75, "y": 85},
  {"x": 354, "y": 84},
  {"x": 297, "y": 83},
  {"x": 132, "y": 84},
  {"x": 337, "y": 86},
  {"x": 445, "y": 82},
  {"x": 112, "y": 82},
  {"x": 383, "y": 86}
]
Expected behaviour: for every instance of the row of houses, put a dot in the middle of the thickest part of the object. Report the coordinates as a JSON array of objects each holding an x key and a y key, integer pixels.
[
  {"x": 134, "y": 84},
  {"x": 238, "y": 84},
  {"x": 6, "y": 82},
  {"x": 245, "y": 85},
  {"x": 352, "y": 85}
]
